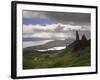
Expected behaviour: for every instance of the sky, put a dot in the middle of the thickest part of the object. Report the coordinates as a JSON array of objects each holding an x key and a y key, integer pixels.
[{"x": 43, "y": 25}]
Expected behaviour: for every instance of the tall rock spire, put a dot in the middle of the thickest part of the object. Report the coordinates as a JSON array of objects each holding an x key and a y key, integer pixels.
[{"x": 77, "y": 35}]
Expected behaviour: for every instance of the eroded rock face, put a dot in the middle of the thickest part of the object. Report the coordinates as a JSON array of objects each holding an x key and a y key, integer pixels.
[
  {"x": 83, "y": 37},
  {"x": 79, "y": 44}
]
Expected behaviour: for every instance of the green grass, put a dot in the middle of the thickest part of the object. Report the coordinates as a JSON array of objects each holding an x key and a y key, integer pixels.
[{"x": 65, "y": 58}]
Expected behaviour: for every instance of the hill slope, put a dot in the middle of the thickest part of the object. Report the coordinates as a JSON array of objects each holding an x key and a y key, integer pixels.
[
  {"x": 56, "y": 59},
  {"x": 76, "y": 54}
]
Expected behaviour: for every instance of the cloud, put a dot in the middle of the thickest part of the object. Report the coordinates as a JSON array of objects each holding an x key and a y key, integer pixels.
[
  {"x": 52, "y": 31},
  {"x": 34, "y": 14},
  {"x": 59, "y": 27},
  {"x": 41, "y": 26},
  {"x": 62, "y": 17},
  {"x": 70, "y": 17}
]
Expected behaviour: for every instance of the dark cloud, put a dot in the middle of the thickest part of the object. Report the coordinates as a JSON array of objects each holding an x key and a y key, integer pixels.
[
  {"x": 72, "y": 18},
  {"x": 63, "y": 17}
]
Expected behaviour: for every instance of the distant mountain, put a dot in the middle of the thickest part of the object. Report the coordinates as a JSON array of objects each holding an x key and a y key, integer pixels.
[{"x": 55, "y": 43}]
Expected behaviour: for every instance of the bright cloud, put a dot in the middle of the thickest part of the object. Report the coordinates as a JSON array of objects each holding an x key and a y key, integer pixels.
[
  {"x": 53, "y": 31},
  {"x": 53, "y": 27}
]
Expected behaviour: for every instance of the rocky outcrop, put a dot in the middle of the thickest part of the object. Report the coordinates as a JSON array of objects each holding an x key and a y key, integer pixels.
[{"x": 79, "y": 44}]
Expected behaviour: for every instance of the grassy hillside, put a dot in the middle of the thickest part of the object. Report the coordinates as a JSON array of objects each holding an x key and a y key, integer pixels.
[{"x": 53, "y": 59}]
